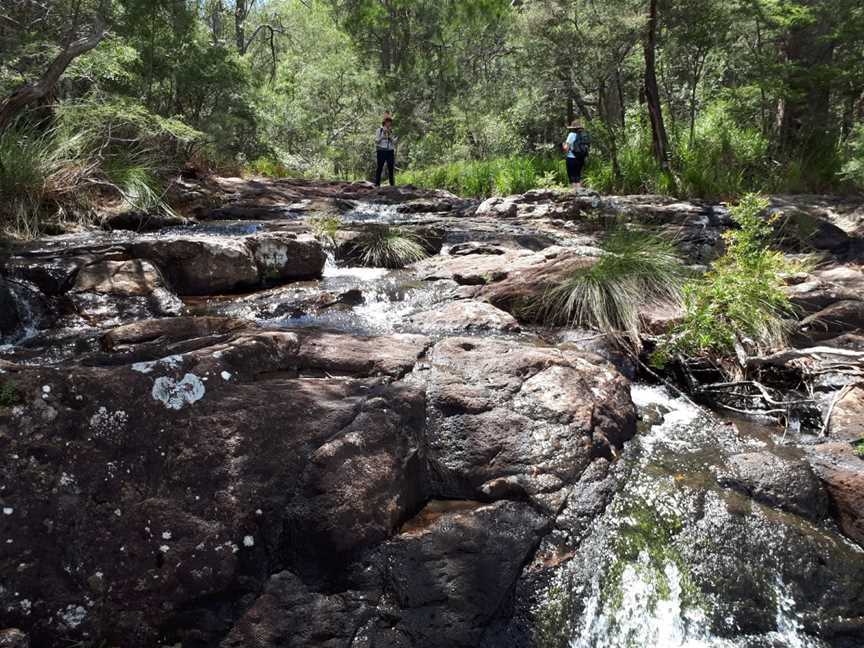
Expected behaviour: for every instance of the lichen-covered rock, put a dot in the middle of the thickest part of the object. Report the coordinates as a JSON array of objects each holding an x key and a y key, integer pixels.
[
  {"x": 285, "y": 257},
  {"x": 170, "y": 483}
]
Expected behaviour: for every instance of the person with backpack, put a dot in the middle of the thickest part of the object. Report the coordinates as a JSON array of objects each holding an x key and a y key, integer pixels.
[
  {"x": 576, "y": 147},
  {"x": 385, "y": 149}
]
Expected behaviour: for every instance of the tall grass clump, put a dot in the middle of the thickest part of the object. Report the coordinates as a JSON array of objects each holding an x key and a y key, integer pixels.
[
  {"x": 740, "y": 303},
  {"x": 386, "y": 246},
  {"x": 27, "y": 162},
  {"x": 136, "y": 179},
  {"x": 636, "y": 271}
]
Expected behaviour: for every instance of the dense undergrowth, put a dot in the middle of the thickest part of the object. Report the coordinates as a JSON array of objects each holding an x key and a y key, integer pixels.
[
  {"x": 724, "y": 161},
  {"x": 739, "y": 305}
]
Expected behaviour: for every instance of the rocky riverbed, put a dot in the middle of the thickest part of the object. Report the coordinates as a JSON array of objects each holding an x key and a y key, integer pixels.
[{"x": 216, "y": 433}]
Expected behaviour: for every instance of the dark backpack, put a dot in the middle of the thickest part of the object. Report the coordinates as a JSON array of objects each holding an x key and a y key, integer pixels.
[{"x": 583, "y": 143}]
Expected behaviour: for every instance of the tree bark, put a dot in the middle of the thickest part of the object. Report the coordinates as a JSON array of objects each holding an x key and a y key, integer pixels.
[
  {"x": 32, "y": 92},
  {"x": 659, "y": 136}
]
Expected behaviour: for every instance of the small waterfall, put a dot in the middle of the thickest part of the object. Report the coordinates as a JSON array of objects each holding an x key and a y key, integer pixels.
[
  {"x": 19, "y": 319},
  {"x": 649, "y": 612},
  {"x": 660, "y": 568}
]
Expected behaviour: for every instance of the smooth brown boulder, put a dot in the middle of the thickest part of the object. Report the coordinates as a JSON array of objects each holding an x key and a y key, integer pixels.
[{"x": 510, "y": 420}]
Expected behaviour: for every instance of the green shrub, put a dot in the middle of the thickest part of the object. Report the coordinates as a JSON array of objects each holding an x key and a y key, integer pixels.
[
  {"x": 636, "y": 271},
  {"x": 859, "y": 447},
  {"x": 385, "y": 246},
  {"x": 741, "y": 299},
  {"x": 499, "y": 176},
  {"x": 326, "y": 228}
]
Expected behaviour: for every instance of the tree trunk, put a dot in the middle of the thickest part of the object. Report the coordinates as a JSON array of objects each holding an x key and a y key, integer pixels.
[
  {"x": 241, "y": 11},
  {"x": 33, "y": 92},
  {"x": 652, "y": 93}
]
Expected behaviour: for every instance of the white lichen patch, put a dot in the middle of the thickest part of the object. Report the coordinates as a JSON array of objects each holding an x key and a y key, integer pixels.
[
  {"x": 164, "y": 548},
  {"x": 176, "y": 395},
  {"x": 226, "y": 375},
  {"x": 67, "y": 479},
  {"x": 166, "y": 535},
  {"x": 248, "y": 541},
  {"x": 46, "y": 389},
  {"x": 168, "y": 362},
  {"x": 73, "y": 615},
  {"x": 7, "y": 510},
  {"x": 104, "y": 423}
]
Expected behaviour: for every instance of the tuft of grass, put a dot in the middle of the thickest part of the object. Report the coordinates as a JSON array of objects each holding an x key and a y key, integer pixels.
[
  {"x": 136, "y": 177},
  {"x": 637, "y": 270},
  {"x": 27, "y": 161},
  {"x": 740, "y": 302},
  {"x": 326, "y": 228},
  {"x": 386, "y": 246},
  {"x": 859, "y": 447}
]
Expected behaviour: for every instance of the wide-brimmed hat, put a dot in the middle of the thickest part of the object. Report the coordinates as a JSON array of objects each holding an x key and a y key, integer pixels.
[{"x": 576, "y": 125}]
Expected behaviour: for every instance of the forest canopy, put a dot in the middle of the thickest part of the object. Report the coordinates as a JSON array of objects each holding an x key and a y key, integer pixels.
[{"x": 691, "y": 97}]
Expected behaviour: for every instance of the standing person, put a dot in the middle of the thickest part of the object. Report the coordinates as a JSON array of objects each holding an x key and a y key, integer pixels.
[
  {"x": 576, "y": 147},
  {"x": 385, "y": 145}
]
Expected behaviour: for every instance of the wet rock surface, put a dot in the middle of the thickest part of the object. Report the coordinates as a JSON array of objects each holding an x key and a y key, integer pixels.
[
  {"x": 218, "y": 435},
  {"x": 782, "y": 482}
]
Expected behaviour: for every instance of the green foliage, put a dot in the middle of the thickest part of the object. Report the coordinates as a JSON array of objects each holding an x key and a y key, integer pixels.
[
  {"x": 385, "y": 246},
  {"x": 859, "y": 447},
  {"x": 326, "y": 229},
  {"x": 502, "y": 176},
  {"x": 637, "y": 271},
  {"x": 853, "y": 169},
  {"x": 741, "y": 299},
  {"x": 8, "y": 394}
]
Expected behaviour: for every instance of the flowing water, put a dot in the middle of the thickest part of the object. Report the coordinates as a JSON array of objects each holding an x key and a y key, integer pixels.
[{"x": 678, "y": 562}]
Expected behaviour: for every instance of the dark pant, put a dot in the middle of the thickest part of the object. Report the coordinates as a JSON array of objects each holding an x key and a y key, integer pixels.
[
  {"x": 388, "y": 158},
  {"x": 574, "y": 168}
]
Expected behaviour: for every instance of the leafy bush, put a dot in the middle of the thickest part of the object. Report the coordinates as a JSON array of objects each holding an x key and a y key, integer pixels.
[
  {"x": 853, "y": 168},
  {"x": 741, "y": 300},
  {"x": 385, "y": 246},
  {"x": 637, "y": 270}
]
